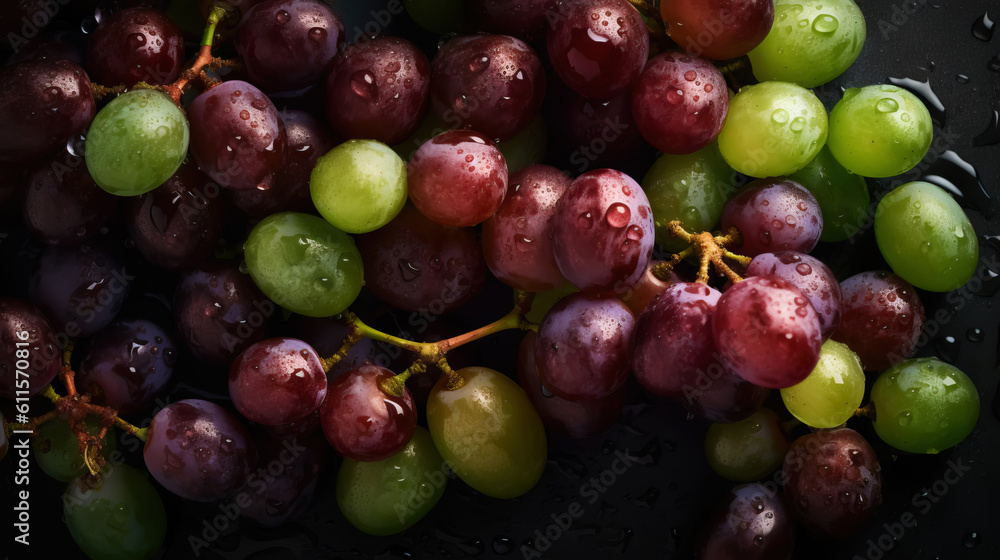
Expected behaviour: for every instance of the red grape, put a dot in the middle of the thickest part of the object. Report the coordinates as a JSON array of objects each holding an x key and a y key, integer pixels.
[
  {"x": 808, "y": 274},
  {"x": 27, "y": 344},
  {"x": 136, "y": 45},
  {"x": 751, "y": 523},
  {"x": 718, "y": 29},
  {"x": 774, "y": 215},
  {"x": 277, "y": 381}
]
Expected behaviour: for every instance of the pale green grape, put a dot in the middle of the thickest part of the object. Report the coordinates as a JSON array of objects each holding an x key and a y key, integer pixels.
[
  {"x": 773, "y": 129},
  {"x": 747, "y": 450},
  {"x": 57, "y": 449},
  {"x": 388, "y": 496},
  {"x": 843, "y": 196},
  {"x": 832, "y": 392},
  {"x": 926, "y": 237},
  {"x": 136, "y": 142},
  {"x": 359, "y": 186},
  {"x": 304, "y": 264}
]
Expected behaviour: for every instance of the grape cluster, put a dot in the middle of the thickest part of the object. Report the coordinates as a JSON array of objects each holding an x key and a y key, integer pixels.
[{"x": 283, "y": 203}]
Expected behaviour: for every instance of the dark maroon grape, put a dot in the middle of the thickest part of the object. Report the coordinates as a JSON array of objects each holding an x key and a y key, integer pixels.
[
  {"x": 516, "y": 238},
  {"x": 719, "y": 395},
  {"x": 750, "y": 523},
  {"x": 767, "y": 332},
  {"x": 285, "y": 481},
  {"x": 379, "y": 89},
  {"x": 493, "y": 84},
  {"x": 882, "y": 318},
  {"x": 361, "y": 421},
  {"x": 457, "y": 178},
  {"x": 525, "y": 19},
  {"x": 718, "y": 29},
  {"x": 583, "y": 346},
  {"x": 177, "y": 225},
  {"x": 128, "y": 365},
  {"x": 808, "y": 274},
  {"x": 597, "y": 47},
  {"x": 237, "y": 137},
  {"x": 61, "y": 203},
  {"x": 310, "y": 425},
  {"x": 645, "y": 290},
  {"x": 277, "y": 381},
  {"x": 136, "y": 45},
  {"x": 833, "y": 482},
  {"x": 219, "y": 312},
  {"x": 29, "y": 351},
  {"x": 575, "y": 419},
  {"x": 80, "y": 288},
  {"x": 774, "y": 215},
  {"x": 286, "y": 44},
  {"x": 680, "y": 102},
  {"x": 602, "y": 232},
  {"x": 199, "y": 450},
  {"x": 43, "y": 102}
]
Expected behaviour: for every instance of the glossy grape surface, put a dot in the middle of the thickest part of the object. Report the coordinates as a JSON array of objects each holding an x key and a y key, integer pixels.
[
  {"x": 28, "y": 347},
  {"x": 136, "y": 45},
  {"x": 718, "y": 29},
  {"x": 751, "y": 523},
  {"x": 61, "y": 204},
  {"x": 359, "y": 186},
  {"x": 842, "y": 195},
  {"x": 810, "y": 275},
  {"x": 746, "y": 450},
  {"x": 833, "y": 390},
  {"x": 277, "y": 381},
  {"x": 57, "y": 449},
  {"x": 774, "y": 215}
]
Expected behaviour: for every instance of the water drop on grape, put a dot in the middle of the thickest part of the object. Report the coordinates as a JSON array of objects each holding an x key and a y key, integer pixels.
[
  {"x": 798, "y": 124},
  {"x": 825, "y": 23},
  {"x": 779, "y": 116},
  {"x": 887, "y": 105},
  {"x": 282, "y": 16},
  {"x": 585, "y": 220},
  {"x": 317, "y": 34},
  {"x": 618, "y": 215}
]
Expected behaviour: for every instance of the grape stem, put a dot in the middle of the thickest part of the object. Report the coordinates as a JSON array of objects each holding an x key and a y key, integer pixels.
[
  {"x": 710, "y": 250},
  {"x": 219, "y": 12}
]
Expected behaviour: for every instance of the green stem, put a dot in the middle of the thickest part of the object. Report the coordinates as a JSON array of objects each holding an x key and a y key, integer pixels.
[{"x": 395, "y": 384}]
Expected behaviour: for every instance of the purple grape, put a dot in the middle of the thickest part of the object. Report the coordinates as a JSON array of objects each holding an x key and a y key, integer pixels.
[
  {"x": 774, "y": 215},
  {"x": 750, "y": 523},
  {"x": 379, "y": 89},
  {"x": 29, "y": 351},
  {"x": 128, "y": 365},
  {"x": 136, "y": 45},
  {"x": 583, "y": 346},
  {"x": 286, "y": 478},
  {"x": 808, "y": 274},
  {"x": 527, "y": 20},
  {"x": 237, "y": 137},
  {"x": 719, "y": 395},
  {"x": 602, "y": 232},
  {"x": 199, "y": 450},
  {"x": 277, "y": 381}
]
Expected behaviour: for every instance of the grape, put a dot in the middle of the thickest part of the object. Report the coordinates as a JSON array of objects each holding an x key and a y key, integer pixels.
[
  {"x": 277, "y": 381},
  {"x": 832, "y": 392},
  {"x": 774, "y": 215},
  {"x": 285, "y": 44},
  {"x": 42, "y": 103},
  {"x": 834, "y": 482},
  {"x": 327, "y": 334},
  {"x": 926, "y": 237},
  {"x": 842, "y": 195},
  {"x": 219, "y": 312},
  {"x": 386, "y": 497},
  {"x": 923, "y": 405},
  {"x": 136, "y": 142},
  {"x": 28, "y": 348},
  {"x": 136, "y": 45},
  {"x": 361, "y": 421},
  {"x": 57, "y": 450},
  {"x": 457, "y": 178},
  {"x": 679, "y": 102},
  {"x": 199, "y": 450},
  {"x": 645, "y": 290},
  {"x": 128, "y": 365},
  {"x": 718, "y": 29},
  {"x": 287, "y": 475},
  {"x": 359, "y": 186},
  {"x": 767, "y": 331},
  {"x": 527, "y": 147},
  {"x": 893, "y": 126},
  {"x": 881, "y": 320},
  {"x": 583, "y": 345},
  {"x": 811, "y": 41},
  {"x": 516, "y": 238},
  {"x": 304, "y": 264},
  {"x": 602, "y": 231},
  {"x": 237, "y": 136},
  {"x": 746, "y": 450},
  {"x": 120, "y": 516},
  {"x": 751, "y": 523},
  {"x": 493, "y": 84},
  {"x": 378, "y": 89},
  {"x": 597, "y": 47},
  {"x": 526, "y": 20},
  {"x": 808, "y": 274},
  {"x": 719, "y": 395},
  {"x": 690, "y": 188},
  {"x": 488, "y": 432},
  {"x": 772, "y": 129}
]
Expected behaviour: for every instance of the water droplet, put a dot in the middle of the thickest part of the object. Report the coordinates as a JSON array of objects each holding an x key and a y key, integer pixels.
[
  {"x": 245, "y": 115},
  {"x": 675, "y": 96},
  {"x": 363, "y": 84},
  {"x": 282, "y": 17},
  {"x": 982, "y": 28},
  {"x": 626, "y": 190},
  {"x": 523, "y": 242},
  {"x": 634, "y": 233},
  {"x": 136, "y": 40},
  {"x": 804, "y": 269},
  {"x": 618, "y": 215},
  {"x": 690, "y": 75},
  {"x": 317, "y": 34},
  {"x": 961, "y": 78},
  {"x": 992, "y": 133},
  {"x": 585, "y": 220},
  {"x": 408, "y": 271},
  {"x": 479, "y": 63},
  {"x": 779, "y": 116},
  {"x": 903, "y": 418},
  {"x": 259, "y": 103},
  {"x": 825, "y": 23},
  {"x": 974, "y": 335},
  {"x": 798, "y": 124},
  {"x": 887, "y": 105},
  {"x": 970, "y": 540}
]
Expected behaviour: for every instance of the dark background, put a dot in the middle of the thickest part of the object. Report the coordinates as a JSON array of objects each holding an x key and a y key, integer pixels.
[{"x": 656, "y": 508}]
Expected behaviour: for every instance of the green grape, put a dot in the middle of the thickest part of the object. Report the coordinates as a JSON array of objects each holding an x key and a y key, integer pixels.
[
  {"x": 488, "y": 432},
  {"x": 527, "y": 147},
  {"x": 304, "y": 264},
  {"x": 747, "y": 450},
  {"x": 926, "y": 237},
  {"x": 880, "y": 130},
  {"x": 832, "y": 392},
  {"x": 923, "y": 405},
  {"x": 843, "y": 196},
  {"x": 811, "y": 42},
  {"x": 359, "y": 186},
  {"x": 388, "y": 496},
  {"x": 119, "y": 517},
  {"x": 691, "y": 188},
  {"x": 543, "y": 301},
  {"x": 57, "y": 449},
  {"x": 773, "y": 129},
  {"x": 437, "y": 16},
  {"x": 136, "y": 142}
]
